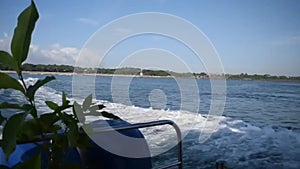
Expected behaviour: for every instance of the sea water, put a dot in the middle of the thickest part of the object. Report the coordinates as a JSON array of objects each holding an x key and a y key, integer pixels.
[{"x": 259, "y": 128}]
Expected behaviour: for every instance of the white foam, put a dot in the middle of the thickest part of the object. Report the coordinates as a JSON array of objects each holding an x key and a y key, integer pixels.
[
  {"x": 240, "y": 144},
  {"x": 43, "y": 94}
]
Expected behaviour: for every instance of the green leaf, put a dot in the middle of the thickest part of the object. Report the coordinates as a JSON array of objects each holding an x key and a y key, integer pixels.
[
  {"x": 8, "y": 82},
  {"x": 72, "y": 126},
  {"x": 22, "y": 34},
  {"x": 72, "y": 134},
  {"x": 88, "y": 128},
  {"x": 96, "y": 107},
  {"x": 6, "y": 105},
  {"x": 2, "y": 119},
  {"x": 87, "y": 102},
  {"x": 34, "y": 162},
  {"x": 110, "y": 115},
  {"x": 27, "y": 107},
  {"x": 32, "y": 89},
  {"x": 94, "y": 110},
  {"x": 100, "y": 106},
  {"x": 10, "y": 132},
  {"x": 53, "y": 129},
  {"x": 78, "y": 112},
  {"x": 48, "y": 120},
  {"x": 8, "y": 60},
  {"x": 52, "y": 105},
  {"x": 65, "y": 101},
  {"x": 4, "y": 167},
  {"x": 30, "y": 129},
  {"x": 72, "y": 166},
  {"x": 33, "y": 127},
  {"x": 33, "y": 112}
]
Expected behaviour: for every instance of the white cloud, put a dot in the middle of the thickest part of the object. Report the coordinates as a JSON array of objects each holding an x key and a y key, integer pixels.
[
  {"x": 88, "y": 21},
  {"x": 88, "y": 58},
  {"x": 5, "y": 42},
  {"x": 54, "y": 54}
]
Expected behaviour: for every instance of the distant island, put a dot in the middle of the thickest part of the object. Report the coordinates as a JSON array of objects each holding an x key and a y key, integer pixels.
[{"x": 147, "y": 73}]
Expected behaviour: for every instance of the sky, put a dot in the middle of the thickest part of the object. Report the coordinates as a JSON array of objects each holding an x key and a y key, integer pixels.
[{"x": 254, "y": 37}]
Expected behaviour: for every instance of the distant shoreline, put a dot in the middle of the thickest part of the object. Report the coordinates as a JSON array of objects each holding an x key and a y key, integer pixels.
[
  {"x": 144, "y": 76},
  {"x": 85, "y": 74},
  {"x": 144, "y": 73}
]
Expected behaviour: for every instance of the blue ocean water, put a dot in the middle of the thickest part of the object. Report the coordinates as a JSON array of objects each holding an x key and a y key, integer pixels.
[{"x": 259, "y": 128}]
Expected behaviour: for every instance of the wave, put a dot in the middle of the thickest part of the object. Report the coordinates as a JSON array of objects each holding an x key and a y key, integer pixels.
[{"x": 238, "y": 143}]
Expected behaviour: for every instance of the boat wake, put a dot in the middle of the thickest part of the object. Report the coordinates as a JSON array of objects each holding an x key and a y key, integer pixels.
[{"x": 238, "y": 143}]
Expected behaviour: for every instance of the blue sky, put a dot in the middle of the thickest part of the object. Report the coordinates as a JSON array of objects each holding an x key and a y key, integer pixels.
[{"x": 260, "y": 36}]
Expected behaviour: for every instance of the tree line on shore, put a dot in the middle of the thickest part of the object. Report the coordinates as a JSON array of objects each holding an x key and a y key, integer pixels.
[
  {"x": 245, "y": 76},
  {"x": 121, "y": 71},
  {"x": 145, "y": 72}
]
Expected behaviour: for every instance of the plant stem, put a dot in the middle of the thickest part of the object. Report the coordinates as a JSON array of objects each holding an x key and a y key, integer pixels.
[
  {"x": 33, "y": 106},
  {"x": 26, "y": 89}
]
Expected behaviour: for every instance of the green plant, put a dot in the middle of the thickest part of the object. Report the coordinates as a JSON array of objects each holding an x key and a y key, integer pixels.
[{"x": 64, "y": 128}]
